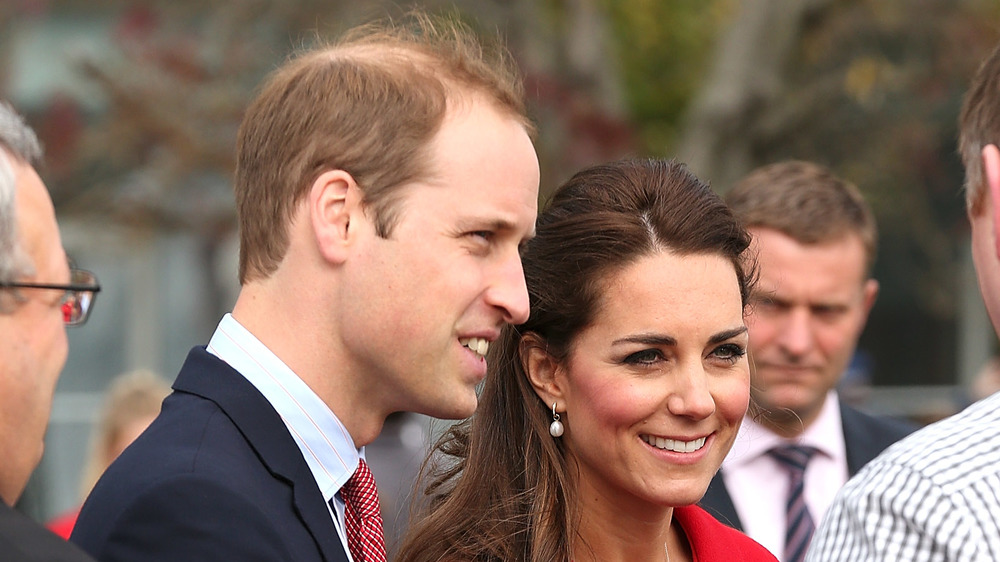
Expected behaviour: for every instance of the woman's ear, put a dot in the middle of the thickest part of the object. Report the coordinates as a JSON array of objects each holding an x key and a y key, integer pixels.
[{"x": 544, "y": 372}]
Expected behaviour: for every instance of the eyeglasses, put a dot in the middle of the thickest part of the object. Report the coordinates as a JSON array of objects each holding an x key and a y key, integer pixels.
[{"x": 78, "y": 296}]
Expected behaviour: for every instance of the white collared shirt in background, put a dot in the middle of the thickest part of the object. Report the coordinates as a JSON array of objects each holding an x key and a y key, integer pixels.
[{"x": 758, "y": 485}]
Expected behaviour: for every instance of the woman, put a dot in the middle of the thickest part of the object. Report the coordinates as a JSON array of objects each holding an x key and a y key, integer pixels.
[{"x": 605, "y": 415}]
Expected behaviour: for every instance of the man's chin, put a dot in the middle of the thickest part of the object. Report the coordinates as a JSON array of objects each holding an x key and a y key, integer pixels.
[
  {"x": 789, "y": 401},
  {"x": 453, "y": 410}
]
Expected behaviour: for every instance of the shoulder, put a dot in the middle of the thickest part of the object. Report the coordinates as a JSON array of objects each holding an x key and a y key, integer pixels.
[
  {"x": 23, "y": 540},
  {"x": 953, "y": 453},
  {"x": 191, "y": 483},
  {"x": 934, "y": 490},
  {"x": 713, "y": 541},
  {"x": 878, "y": 428},
  {"x": 183, "y": 517}
]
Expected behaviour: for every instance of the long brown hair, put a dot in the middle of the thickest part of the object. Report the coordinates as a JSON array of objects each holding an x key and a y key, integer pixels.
[{"x": 501, "y": 488}]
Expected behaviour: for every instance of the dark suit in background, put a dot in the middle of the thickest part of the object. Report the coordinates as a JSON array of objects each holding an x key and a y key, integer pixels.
[{"x": 216, "y": 477}]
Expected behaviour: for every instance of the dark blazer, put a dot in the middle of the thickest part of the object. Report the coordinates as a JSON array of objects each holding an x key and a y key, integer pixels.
[
  {"x": 217, "y": 476},
  {"x": 865, "y": 437},
  {"x": 23, "y": 540}
]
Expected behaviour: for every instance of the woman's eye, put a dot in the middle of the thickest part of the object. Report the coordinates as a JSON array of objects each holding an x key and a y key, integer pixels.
[
  {"x": 730, "y": 352},
  {"x": 644, "y": 357}
]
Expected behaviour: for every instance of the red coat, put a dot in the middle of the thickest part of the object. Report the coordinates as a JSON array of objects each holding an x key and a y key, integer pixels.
[
  {"x": 712, "y": 541},
  {"x": 62, "y": 525}
]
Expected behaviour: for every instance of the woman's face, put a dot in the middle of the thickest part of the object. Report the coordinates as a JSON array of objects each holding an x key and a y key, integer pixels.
[{"x": 655, "y": 389}]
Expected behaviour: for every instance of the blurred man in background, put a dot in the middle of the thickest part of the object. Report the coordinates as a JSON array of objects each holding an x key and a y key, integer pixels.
[{"x": 815, "y": 239}]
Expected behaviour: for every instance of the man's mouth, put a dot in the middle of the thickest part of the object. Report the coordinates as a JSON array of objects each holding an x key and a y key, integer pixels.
[
  {"x": 675, "y": 445},
  {"x": 478, "y": 345}
]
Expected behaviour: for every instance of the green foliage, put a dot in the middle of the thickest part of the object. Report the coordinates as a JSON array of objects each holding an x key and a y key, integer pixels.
[{"x": 664, "y": 47}]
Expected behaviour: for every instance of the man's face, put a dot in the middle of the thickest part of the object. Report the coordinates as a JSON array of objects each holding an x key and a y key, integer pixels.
[
  {"x": 33, "y": 341},
  {"x": 419, "y": 307},
  {"x": 811, "y": 306}
]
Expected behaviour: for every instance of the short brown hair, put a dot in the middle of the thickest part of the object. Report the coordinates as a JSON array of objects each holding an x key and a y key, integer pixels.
[
  {"x": 807, "y": 202},
  {"x": 368, "y": 104},
  {"x": 979, "y": 126}
]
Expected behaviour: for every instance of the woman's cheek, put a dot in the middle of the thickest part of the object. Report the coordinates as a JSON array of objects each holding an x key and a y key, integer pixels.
[{"x": 733, "y": 398}]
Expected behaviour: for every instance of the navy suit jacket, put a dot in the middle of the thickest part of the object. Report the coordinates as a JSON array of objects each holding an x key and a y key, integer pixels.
[
  {"x": 865, "y": 437},
  {"x": 217, "y": 476}
]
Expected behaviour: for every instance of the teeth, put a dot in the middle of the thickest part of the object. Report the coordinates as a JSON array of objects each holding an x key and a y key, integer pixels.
[
  {"x": 675, "y": 445},
  {"x": 479, "y": 345}
]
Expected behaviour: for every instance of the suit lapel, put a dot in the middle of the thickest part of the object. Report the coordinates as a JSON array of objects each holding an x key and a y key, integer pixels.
[
  {"x": 718, "y": 502},
  {"x": 857, "y": 443},
  {"x": 865, "y": 436},
  {"x": 211, "y": 378}
]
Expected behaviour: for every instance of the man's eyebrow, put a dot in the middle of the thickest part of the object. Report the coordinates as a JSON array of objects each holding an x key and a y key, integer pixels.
[{"x": 496, "y": 224}]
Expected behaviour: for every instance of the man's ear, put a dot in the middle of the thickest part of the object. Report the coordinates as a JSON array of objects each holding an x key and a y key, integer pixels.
[
  {"x": 991, "y": 171},
  {"x": 869, "y": 294},
  {"x": 546, "y": 374},
  {"x": 334, "y": 198}
]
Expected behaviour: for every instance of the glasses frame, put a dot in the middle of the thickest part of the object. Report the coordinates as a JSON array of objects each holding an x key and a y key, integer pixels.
[{"x": 67, "y": 289}]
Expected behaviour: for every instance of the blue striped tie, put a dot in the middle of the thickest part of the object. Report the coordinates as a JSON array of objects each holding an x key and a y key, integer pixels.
[{"x": 800, "y": 525}]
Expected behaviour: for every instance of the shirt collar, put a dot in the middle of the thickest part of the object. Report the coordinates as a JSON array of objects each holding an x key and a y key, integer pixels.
[
  {"x": 326, "y": 446},
  {"x": 826, "y": 434}
]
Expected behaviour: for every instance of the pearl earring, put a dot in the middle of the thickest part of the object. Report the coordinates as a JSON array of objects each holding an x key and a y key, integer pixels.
[{"x": 556, "y": 427}]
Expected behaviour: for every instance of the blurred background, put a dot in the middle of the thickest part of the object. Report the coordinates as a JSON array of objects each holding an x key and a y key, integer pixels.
[{"x": 138, "y": 104}]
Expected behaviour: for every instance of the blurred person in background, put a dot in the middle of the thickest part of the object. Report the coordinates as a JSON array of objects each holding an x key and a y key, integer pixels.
[
  {"x": 384, "y": 186},
  {"x": 40, "y": 294},
  {"x": 815, "y": 239},
  {"x": 935, "y": 496},
  {"x": 131, "y": 403}
]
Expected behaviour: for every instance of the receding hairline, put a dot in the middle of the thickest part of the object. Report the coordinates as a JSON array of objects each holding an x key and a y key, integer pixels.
[{"x": 394, "y": 54}]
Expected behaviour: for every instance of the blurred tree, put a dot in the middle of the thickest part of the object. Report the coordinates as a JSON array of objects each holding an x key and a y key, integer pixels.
[
  {"x": 158, "y": 153},
  {"x": 869, "y": 87}
]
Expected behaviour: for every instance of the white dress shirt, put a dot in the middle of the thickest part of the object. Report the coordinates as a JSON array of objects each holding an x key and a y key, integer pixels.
[
  {"x": 326, "y": 445},
  {"x": 758, "y": 484}
]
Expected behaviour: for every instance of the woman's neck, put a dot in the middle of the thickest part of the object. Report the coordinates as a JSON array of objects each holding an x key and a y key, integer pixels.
[{"x": 611, "y": 531}]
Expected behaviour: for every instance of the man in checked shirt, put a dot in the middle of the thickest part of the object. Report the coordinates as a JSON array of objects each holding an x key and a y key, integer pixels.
[{"x": 935, "y": 496}]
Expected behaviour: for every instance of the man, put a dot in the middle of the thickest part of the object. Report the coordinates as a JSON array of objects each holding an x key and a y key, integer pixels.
[
  {"x": 383, "y": 188},
  {"x": 936, "y": 494},
  {"x": 39, "y": 296},
  {"x": 815, "y": 239}
]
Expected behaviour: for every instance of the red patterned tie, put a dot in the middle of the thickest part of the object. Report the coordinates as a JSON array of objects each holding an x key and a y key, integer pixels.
[{"x": 362, "y": 516}]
